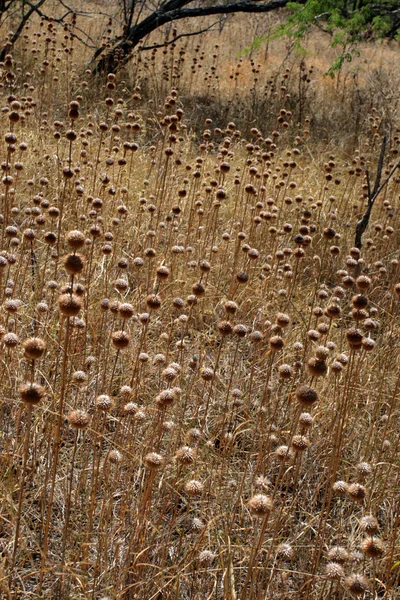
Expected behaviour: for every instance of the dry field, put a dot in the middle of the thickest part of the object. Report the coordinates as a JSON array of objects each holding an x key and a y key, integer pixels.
[{"x": 200, "y": 372}]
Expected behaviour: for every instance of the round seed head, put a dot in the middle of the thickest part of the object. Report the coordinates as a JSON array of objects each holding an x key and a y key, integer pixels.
[
  {"x": 34, "y": 348},
  {"x": 69, "y": 304},
  {"x": 185, "y": 456},
  {"x": 339, "y": 555},
  {"x": 373, "y": 547},
  {"x": 11, "y": 340},
  {"x": 306, "y": 395},
  {"x": 31, "y": 393},
  {"x": 103, "y": 403},
  {"x": 285, "y": 552},
  {"x": 121, "y": 339},
  {"x": 74, "y": 263},
  {"x": 260, "y": 505},
  {"x": 369, "y": 524},
  {"x": 126, "y": 310},
  {"x": 334, "y": 571},
  {"x": 78, "y": 419},
  {"x": 340, "y": 487},
  {"x": 300, "y": 443},
  {"x": 357, "y": 492},
  {"x": 115, "y": 456},
  {"x": 206, "y": 557},
  {"x": 356, "y": 584},
  {"x": 153, "y": 460},
  {"x": 75, "y": 239},
  {"x": 317, "y": 367},
  {"x": 194, "y": 487}
]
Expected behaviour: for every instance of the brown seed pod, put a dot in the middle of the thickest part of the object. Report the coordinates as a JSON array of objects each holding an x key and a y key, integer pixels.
[
  {"x": 121, "y": 339},
  {"x": 356, "y": 584},
  {"x": 78, "y": 419},
  {"x": 354, "y": 338},
  {"x": 31, "y": 393},
  {"x": 225, "y": 328},
  {"x": 74, "y": 263},
  {"x": 357, "y": 492},
  {"x": 260, "y": 505},
  {"x": 34, "y": 348},
  {"x": 317, "y": 367},
  {"x": 153, "y": 302},
  {"x": 153, "y": 460},
  {"x": 306, "y": 395},
  {"x": 75, "y": 239},
  {"x": 373, "y": 547},
  {"x": 69, "y": 304}
]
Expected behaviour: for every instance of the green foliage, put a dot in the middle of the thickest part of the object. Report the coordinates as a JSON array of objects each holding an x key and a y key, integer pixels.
[{"x": 347, "y": 21}]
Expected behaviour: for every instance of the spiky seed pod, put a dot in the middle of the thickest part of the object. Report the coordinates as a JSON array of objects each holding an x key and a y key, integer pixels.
[
  {"x": 356, "y": 584},
  {"x": 130, "y": 408},
  {"x": 336, "y": 367},
  {"x": 357, "y": 492},
  {"x": 363, "y": 282},
  {"x": 339, "y": 555},
  {"x": 282, "y": 320},
  {"x": 198, "y": 289},
  {"x": 306, "y": 420},
  {"x": 340, "y": 487},
  {"x": 256, "y": 337},
  {"x": 114, "y": 456},
  {"x": 333, "y": 311},
  {"x": 230, "y": 307},
  {"x": 285, "y": 552},
  {"x": 10, "y": 340},
  {"x": 194, "y": 487},
  {"x": 31, "y": 393},
  {"x": 283, "y": 453},
  {"x": 354, "y": 338},
  {"x": 206, "y": 557},
  {"x": 225, "y": 328},
  {"x": 197, "y": 525},
  {"x": 334, "y": 571},
  {"x": 322, "y": 353},
  {"x": 260, "y": 505},
  {"x": 300, "y": 443},
  {"x": 185, "y": 456},
  {"x": 169, "y": 374},
  {"x": 79, "y": 377},
  {"x": 153, "y": 460},
  {"x": 193, "y": 435},
  {"x": 240, "y": 330},
  {"x": 166, "y": 398},
  {"x": 78, "y": 419},
  {"x": 276, "y": 343},
  {"x": 369, "y": 524},
  {"x": 317, "y": 367},
  {"x": 368, "y": 344},
  {"x": 364, "y": 469},
  {"x": 373, "y": 547},
  {"x": 162, "y": 272},
  {"x": 126, "y": 310},
  {"x": 359, "y": 301},
  {"x": 121, "y": 339},
  {"x": 34, "y": 348},
  {"x": 285, "y": 371},
  {"x": 153, "y": 302},
  {"x": 103, "y": 403},
  {"x": 69, "y": 304},
  {"x": 306, "y": 395},
  {"x": 74, "y": 263}
]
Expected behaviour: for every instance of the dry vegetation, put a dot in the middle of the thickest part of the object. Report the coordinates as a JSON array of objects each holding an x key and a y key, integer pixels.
[{"x": 199, "y": 372}]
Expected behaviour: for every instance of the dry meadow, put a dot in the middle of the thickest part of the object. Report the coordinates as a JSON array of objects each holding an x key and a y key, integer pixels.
[{"x": 199, "y": 369}]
